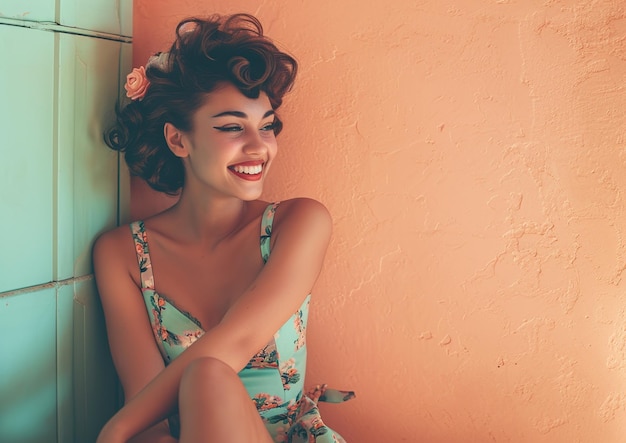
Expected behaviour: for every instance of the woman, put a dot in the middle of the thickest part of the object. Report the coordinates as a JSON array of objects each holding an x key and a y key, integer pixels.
[{"x": 220, "y": 269}]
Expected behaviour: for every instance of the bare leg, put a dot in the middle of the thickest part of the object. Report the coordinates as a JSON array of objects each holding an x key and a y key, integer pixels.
[{"x": 214, "y": 406}]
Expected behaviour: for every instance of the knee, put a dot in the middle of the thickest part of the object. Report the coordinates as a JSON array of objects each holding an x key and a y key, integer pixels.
[
  {"x": 207, "y": 371},
  {"x": 205, "y": 381}
]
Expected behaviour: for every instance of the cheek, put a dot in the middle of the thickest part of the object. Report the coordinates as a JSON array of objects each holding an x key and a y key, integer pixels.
[{"x": 273, "y": 149}]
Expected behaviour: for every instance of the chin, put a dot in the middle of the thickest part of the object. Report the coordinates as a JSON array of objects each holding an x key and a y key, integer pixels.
[{"x": 251, "y": 196}]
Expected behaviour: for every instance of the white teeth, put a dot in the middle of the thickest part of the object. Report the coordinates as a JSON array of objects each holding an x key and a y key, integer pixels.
[{"x": 251, "y": 170}]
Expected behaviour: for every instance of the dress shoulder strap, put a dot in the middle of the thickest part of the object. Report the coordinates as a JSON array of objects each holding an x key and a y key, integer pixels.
[
  {"x": 143, "y": 254},
  {"x": 266, "y": 229}
]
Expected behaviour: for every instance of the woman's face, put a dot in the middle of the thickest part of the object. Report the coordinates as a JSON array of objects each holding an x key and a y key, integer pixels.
[{"x": 232, "y": 144}]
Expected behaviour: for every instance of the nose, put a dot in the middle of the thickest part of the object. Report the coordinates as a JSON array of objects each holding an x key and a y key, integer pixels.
[{"x": 257, "y": 143}]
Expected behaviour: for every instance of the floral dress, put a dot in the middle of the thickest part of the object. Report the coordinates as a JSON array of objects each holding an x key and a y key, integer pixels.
[{"x": 274, "y": 377}]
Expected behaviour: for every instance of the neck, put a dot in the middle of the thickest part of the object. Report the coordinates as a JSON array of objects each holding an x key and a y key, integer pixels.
[{"x": 209, "y": 221}]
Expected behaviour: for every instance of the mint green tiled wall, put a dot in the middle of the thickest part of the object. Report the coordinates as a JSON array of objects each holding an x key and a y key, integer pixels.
[
  {"x": 56, "y": 173},
  {"x": 28, "y": 375},
  {"x": 57, "y": 381},
  {"x": 94, "y": 374},
  {"x": 59, "y": 188},
  {"x": 65, "y": 364},
  {"x": 87, "y": 170},
  {"x": 35, "y": 10},
  {"x": 27, "y": 126},
  {"x": 110, "y": 16}
]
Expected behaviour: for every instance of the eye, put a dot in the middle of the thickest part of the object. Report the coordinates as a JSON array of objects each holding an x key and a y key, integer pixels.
[
  {"x": 270, "y": 126},
  {"x": 229, "y": 128}
]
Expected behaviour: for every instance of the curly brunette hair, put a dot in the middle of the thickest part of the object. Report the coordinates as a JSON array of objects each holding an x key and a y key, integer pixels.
[{"x": 206, "y": 53}]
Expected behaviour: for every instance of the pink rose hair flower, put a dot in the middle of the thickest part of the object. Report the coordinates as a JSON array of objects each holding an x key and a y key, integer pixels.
[{"x": 136, "y": 84}]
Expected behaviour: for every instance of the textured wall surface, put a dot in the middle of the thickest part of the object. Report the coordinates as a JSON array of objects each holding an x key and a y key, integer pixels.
[{"x": 472, "y": 154}]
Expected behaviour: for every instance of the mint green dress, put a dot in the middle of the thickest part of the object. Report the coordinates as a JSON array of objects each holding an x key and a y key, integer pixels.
[{"x": 274, "y": 376}]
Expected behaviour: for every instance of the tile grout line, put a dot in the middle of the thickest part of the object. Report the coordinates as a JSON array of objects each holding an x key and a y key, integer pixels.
[
  {"x": 52, "y": 284},
  {"x": 55, "y": 27}
]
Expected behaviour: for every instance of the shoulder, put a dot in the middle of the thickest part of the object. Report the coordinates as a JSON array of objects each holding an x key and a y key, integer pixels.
[
  {"x": 302, "y": 210},
  {"x": 113, "y": 240},
  {"x": 303, "y": 216},
  {"x": 114, "y": 250}
]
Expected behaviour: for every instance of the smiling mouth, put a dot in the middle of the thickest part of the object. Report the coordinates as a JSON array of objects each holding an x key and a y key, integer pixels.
[{"x": 251, "y": 172}]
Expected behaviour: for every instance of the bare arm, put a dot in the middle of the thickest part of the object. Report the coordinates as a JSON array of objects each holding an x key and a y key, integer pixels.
[
  {"x": 135, "y": 354},
  {"x": 299, "y": 247}
]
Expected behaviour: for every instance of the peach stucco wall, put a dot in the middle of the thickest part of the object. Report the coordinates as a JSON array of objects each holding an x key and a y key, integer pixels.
[{"x": 473, "y": 155}]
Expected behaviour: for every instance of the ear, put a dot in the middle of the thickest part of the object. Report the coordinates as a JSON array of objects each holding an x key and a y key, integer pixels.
[{"x": 176, "y": 140}]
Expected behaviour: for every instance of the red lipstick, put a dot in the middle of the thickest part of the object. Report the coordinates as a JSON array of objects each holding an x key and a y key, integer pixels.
[{"x": 250, "y": 170}]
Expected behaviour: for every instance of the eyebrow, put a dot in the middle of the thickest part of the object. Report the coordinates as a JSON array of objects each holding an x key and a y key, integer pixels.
[{"x": 240, "y": 114}]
